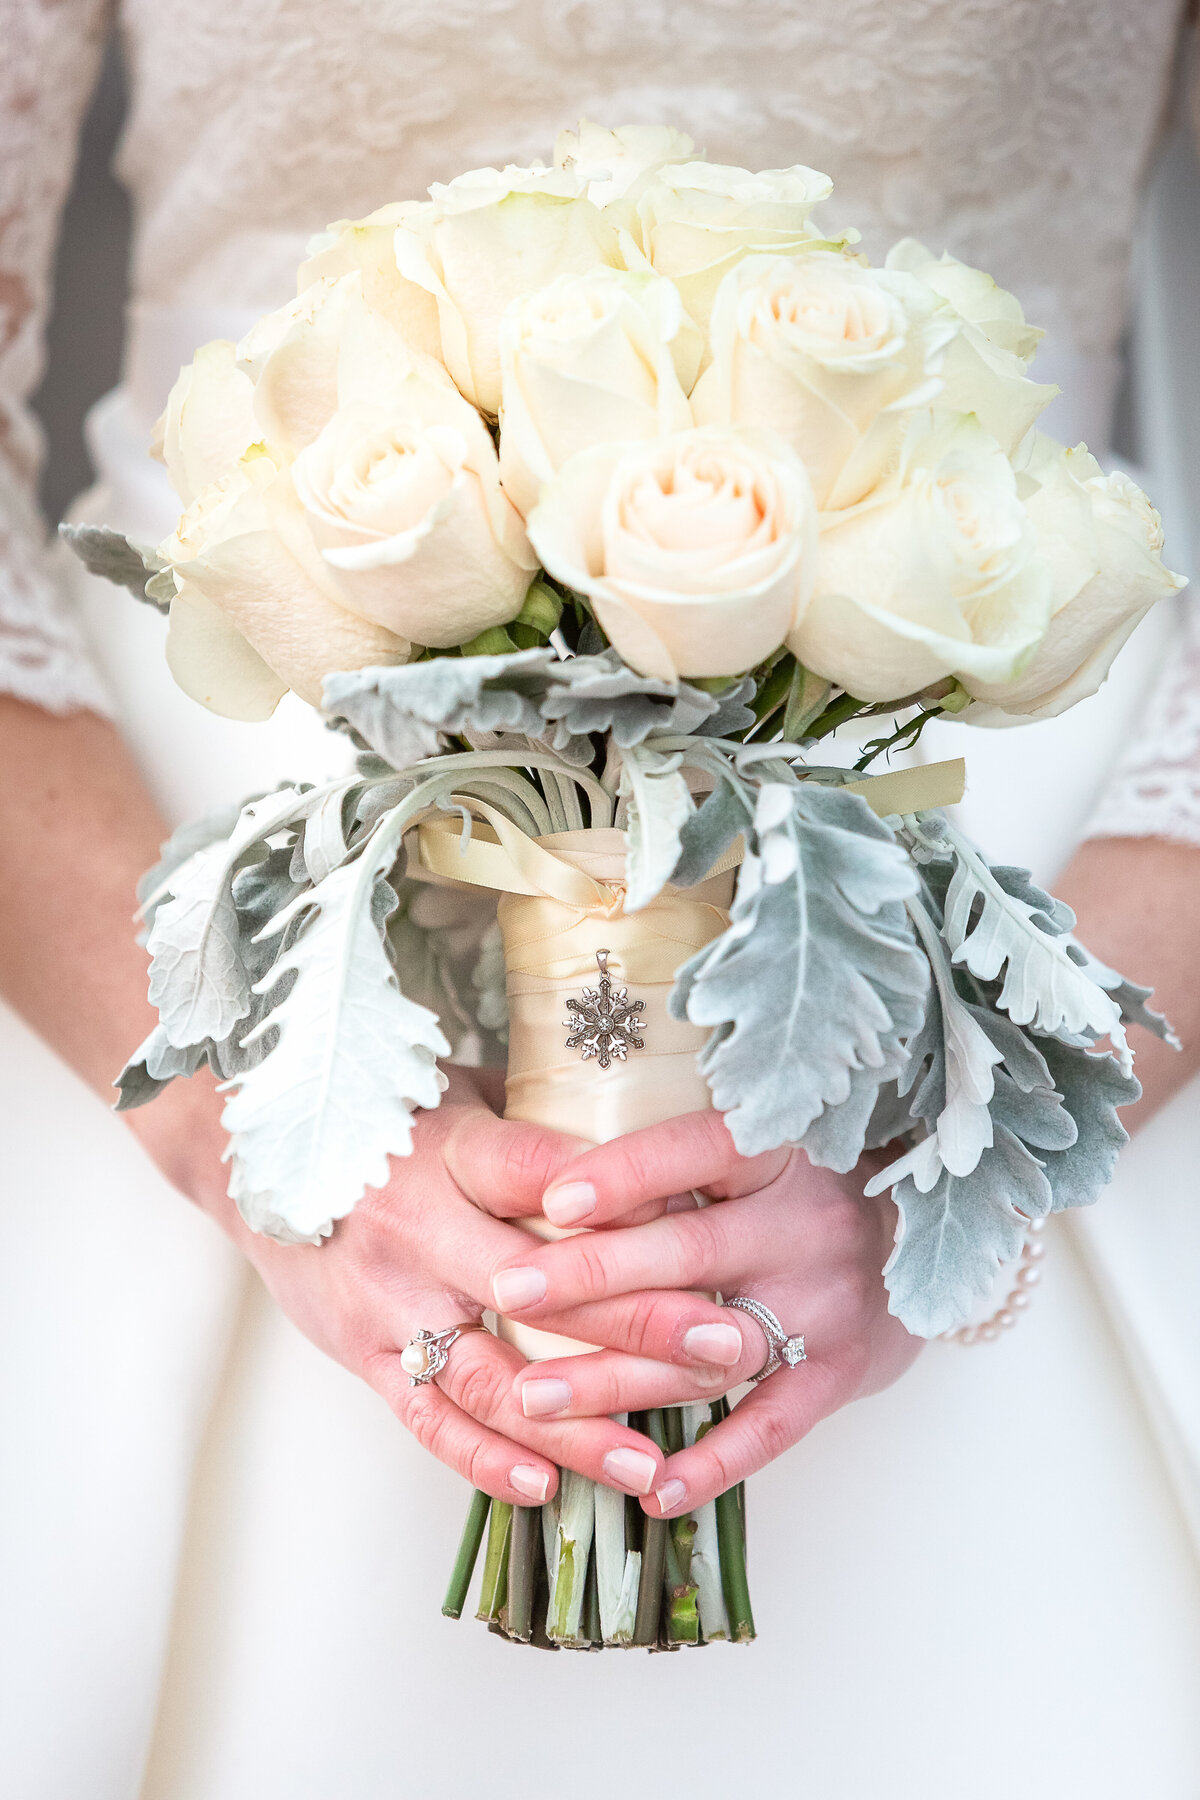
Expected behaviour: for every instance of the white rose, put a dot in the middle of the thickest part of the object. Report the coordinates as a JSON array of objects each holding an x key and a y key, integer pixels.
[
  {"x": 405, "y": 504},
  {"x": 325, "y": 349},
  {"x": 208, "y": 422},
  {"x": 606, "y": 164},
  {"x": 599, "y": 358},
  {"x": 368, "y": 247},
  {"x": 985, "y": 363},
  {"x": 830, "y": 355},
  {"x": 695, "y": 550},
  {"x": 488, "y": 238},
  {"x": 256, "y": 609},
  {"x": 695, "y": 220},
  {"x": 936, "y": 573},
  {"x": 1103, "y": 540}
]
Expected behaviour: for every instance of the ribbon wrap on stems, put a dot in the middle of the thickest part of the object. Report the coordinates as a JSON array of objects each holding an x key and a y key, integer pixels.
[{"x": 562, "y": 901}]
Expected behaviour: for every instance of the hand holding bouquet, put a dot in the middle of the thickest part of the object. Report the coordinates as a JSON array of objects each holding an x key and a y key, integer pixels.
[{"x": 589, "y": 500}]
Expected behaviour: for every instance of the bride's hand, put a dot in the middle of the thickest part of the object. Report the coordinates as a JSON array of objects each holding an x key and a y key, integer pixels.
[
  {"x": 804, "y": 1241},
  {"x": 421, "y": 1252}
]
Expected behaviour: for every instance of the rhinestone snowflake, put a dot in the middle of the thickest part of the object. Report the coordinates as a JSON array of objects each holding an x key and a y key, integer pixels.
[{"x": 604, "y": 1024}]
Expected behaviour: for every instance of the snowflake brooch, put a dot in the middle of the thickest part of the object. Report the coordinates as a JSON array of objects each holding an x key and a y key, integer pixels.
[{"x": 605, "y": 1023}]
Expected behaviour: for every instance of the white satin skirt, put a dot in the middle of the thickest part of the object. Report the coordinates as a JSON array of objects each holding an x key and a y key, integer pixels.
[{"x": 224, "y": 1559}]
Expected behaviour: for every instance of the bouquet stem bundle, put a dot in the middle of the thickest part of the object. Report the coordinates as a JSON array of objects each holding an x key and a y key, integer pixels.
[{"x": 591, "y": 1571}]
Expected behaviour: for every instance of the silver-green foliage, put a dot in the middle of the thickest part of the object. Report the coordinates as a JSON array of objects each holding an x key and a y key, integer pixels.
[
  {"x": 116, "y": 558},
  {"x": 818, "y": 979}
]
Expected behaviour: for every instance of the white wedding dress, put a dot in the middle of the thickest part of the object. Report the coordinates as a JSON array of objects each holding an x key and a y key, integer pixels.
[{"x": 223, "y": 1559}]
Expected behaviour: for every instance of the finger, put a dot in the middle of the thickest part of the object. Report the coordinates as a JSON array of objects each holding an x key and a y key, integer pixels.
[
  {"x": 703, "y": 1250},
  {"x": 500, "y": 1467},
  {"x": 480, "y": 1378},
  {"x": 694, "y": 1151},
  {"x": 609, "y": 1381},
  {"x": 670, "y": 1326},
  {"x": 761, "y": 1427},
  {"x": 502, "y": 1165}
]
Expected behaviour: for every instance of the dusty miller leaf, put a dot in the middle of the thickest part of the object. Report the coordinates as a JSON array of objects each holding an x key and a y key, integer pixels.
[
  {"x": 818, "y": 973},
  {"x": 314, "y": 1123},
  {"x": 116, "y": 558},
  {"x": 1128, "y": 997},
  {"x": 400, "y": 712},
  {"x": 152, "y": 1067},
  {"x": 952, "y": 1241},
  {"x": 709, "y": 831},
  {"x": 1093, "y": 1086},
  {"x": 198, "y": 980},
  {"x": 602, "y": 694},
  {"x": 659, "y": 806},
  {"x": 995, "y": 933}
]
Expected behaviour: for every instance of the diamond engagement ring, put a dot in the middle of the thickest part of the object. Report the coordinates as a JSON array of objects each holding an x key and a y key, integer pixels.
[
  {"x": 781, "y": 1349},
  {"x": 427, "y": 1354}
]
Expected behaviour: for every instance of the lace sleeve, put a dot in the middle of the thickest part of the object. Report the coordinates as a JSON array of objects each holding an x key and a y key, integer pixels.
[{"x": 47, "y": 69}]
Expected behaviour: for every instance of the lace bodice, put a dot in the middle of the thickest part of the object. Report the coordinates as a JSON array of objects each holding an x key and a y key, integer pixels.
[{"x": 1014, "y": 131}]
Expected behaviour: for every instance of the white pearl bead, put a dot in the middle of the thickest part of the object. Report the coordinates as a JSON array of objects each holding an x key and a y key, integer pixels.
[
  {"x": 1019, "y": 1300},
  {"x": 414, "y": 1359},
  {"x": 1029, "y": 1277},
  {"x": 989, "y": 1334},
  {"x": 1005, "y": 1319},
  {"x": 1034, "y": 1252}
]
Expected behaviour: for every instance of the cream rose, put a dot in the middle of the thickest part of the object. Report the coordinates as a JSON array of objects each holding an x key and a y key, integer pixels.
[
  {"x": 1103, "y": 541},
  {"x": 695, "y": 220},
  {"x": 598, "y": 358},
  {"x": 405, "y": 505},
  {"x": 695, "y": 550},
  {"x": 984, "y": 369},
  {"x": 209, "y": 420},
  {"x": 830, "y": 355},
  {"x": 368, "y": 247},
  {"x": 937, "y": 573},
  {"x": 256, "y": 609},
  {"x": 606, "y": 164},
  {"x": 488, "y": 238},
  {"x": 327, "y": 348}
]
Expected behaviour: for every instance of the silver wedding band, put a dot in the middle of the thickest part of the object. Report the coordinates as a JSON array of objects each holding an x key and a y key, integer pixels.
[{"x": 782, "y": 1351}]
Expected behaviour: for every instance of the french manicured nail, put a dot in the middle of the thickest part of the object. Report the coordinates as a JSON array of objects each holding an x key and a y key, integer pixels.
[
  {"x": 567, "y": 1204},
  {"x": 528, "y": 1480},
  {"x": 543, "y": 1396},
  {"x": 713, "y": 1344},
  {"x": 670, "y": 1495},
  {"x": 631, "y": 1469},
  {"x": 515, "y": 1289}
]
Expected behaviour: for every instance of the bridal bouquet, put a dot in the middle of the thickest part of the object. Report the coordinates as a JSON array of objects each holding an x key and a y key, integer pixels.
[{"x": 589, "y": 501}]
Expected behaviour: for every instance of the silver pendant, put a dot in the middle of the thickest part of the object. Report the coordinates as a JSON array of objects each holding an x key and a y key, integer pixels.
[{"x": 605, "y": 1023}]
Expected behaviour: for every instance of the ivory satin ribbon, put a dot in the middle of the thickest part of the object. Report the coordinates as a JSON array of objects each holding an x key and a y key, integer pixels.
[{"x": 562, "y": 900}]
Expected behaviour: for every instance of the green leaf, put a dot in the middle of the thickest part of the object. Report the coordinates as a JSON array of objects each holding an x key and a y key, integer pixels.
[
  {"x": 709, "y": 831},
  {"x": 819, "y": 973}
]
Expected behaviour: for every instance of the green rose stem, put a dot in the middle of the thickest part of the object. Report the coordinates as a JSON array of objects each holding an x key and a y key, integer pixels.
[
  {"x": 683, "y": 1618},
  {"x": 468, "y": 1551},
  {"x": 591, "y": 1606},
  {"x": 525, "y": 1548},
  {"x": 732, "y": 1540},
  {"x": 494, "y": 1592}
]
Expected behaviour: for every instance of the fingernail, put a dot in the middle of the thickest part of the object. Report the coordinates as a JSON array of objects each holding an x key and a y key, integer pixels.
[
  {"x": 528, "y": 1480},
  {"x": 544, "y": 1396},
  {"x": 515, "y": 1289},
  {"x": 567, "y": 1204},
  {"x": 631, "y": 1469},
  {"x": 713, "y": 1344},
  {"x": 670, "y": 1495}
]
